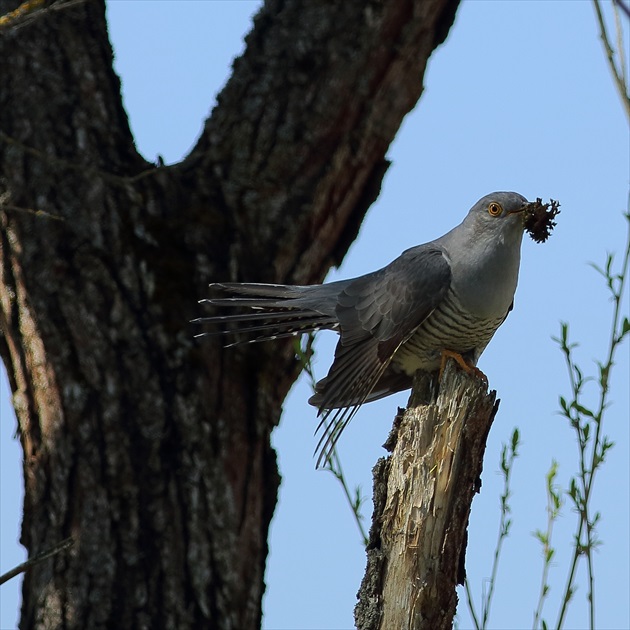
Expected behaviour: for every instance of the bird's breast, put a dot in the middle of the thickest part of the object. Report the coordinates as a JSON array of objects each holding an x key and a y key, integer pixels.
[{"x": 449, "y": 327}]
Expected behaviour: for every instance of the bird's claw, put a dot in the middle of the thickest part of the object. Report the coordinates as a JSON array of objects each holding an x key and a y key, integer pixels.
[{"x": 465, "y": 365}]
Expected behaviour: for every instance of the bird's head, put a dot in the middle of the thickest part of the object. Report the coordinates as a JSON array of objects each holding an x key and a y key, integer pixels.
[{"x": 498, "y": 217}]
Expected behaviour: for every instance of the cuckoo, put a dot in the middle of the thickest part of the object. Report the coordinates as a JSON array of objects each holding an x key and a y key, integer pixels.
[{"x": 446, "y": 297}]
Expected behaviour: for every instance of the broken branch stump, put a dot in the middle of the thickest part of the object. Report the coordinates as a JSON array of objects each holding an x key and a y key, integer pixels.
[{"x": 422, "y": 497}]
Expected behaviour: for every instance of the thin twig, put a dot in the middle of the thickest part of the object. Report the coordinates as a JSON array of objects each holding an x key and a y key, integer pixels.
[
  {"x": 620, "y": 46},
  {"x": 623, "y": 7},
  {"x": 31, "y": 10},
  {"x": 40, "y": 557},
  {"x": 84, "y": 169},
  {"x": 471, "y": 604},
  {"x": 508, "y": 454},
  {"x": 333, "y": 463},
  {"x": 334, "y": 466},
  {"x": 610, "y": 55},
  {"x": 33, "y": 211}
]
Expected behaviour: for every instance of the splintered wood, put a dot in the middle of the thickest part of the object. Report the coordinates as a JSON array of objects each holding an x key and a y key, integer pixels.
[{"x": 418, "y": 536}]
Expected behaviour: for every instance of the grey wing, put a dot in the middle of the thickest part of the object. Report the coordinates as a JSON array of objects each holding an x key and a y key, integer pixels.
[{"x": 376, "y": 313}]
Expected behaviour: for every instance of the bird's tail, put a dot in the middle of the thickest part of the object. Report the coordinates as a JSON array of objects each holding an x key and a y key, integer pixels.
[{"x": 279, "y": 310}]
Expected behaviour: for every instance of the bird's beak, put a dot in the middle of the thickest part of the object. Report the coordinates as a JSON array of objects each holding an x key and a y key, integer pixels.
[
  {"x": 522, "y": 212},
  {"x": 521, "y": 209}
]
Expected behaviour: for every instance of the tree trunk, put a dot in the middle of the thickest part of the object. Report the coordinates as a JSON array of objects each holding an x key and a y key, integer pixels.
[
  {"x": 422, "y": 497},
  {"x": 152, "y": 451}
]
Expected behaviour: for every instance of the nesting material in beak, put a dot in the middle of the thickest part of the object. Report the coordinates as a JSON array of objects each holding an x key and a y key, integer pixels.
[{"x": 538, "y": 218}]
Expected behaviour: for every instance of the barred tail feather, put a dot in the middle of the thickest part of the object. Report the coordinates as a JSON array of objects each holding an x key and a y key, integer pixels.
[
  {"x": 278, "y": 291},
  {"x": 279, "y": 312}
]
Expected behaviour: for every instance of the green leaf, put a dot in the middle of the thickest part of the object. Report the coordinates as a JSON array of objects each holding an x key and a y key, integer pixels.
[
  {"x": 609, "y": 261},
  {"x": 583, "y": 410},
  {"x": 564, "y": 332},
  {"x": 504, "y": 465},
  {"x": 599, "y": 270},
  {"x": 553, "y": 471},
  {"x": 557, "y": 502}
]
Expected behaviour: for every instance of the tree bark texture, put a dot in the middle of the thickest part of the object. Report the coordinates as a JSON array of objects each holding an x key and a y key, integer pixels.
[
  {"x": 150, "y": 450},
  {"x": 422, "y": 497}
]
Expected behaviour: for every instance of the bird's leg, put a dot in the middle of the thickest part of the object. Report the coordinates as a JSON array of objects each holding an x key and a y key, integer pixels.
[
  {"x": 458, "y": 358},
  {"x": 465, "y": 365}
]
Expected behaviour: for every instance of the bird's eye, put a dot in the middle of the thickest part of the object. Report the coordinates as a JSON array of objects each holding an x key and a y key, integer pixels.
[{"x": 495, "y": 209}]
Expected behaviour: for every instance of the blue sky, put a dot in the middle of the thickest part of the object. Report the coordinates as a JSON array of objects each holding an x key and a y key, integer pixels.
[{"x": 518, "y": 98}]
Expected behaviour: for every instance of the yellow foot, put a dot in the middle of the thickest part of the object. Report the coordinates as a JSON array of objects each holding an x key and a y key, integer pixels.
[{"x": 467, "y": 367}]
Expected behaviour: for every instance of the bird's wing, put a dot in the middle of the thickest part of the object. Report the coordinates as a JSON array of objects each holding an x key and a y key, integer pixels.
[{"x": 376, "y": 313}]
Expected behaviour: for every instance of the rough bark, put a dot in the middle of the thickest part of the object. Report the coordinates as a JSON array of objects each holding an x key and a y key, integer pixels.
[
  {"x": 422, "y": 497},
  {"x": 152, "y": 451}
]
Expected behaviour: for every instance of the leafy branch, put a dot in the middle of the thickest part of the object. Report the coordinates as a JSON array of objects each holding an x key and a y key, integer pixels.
[
  {"x": 593, "y": 445},
  {"x": 618, "y": 69},
  {"x": 554, "y": 504},
  {"x": 509, "y": 452}
]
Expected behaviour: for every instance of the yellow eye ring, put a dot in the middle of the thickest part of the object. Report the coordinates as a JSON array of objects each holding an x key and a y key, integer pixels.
[{"x": 494, "y": 209}]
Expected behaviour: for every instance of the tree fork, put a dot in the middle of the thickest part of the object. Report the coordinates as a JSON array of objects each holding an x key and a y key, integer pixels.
[
  {"x": 153, "y": 453},
  {"x": 422, "y": 498}
]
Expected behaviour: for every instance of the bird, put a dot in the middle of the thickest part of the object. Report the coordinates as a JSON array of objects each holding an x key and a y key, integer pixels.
[{"x": 443, "y": 298}]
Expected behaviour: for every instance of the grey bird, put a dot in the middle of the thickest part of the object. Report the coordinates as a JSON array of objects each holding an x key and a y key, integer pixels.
[{"x": 443, "y": 298}]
